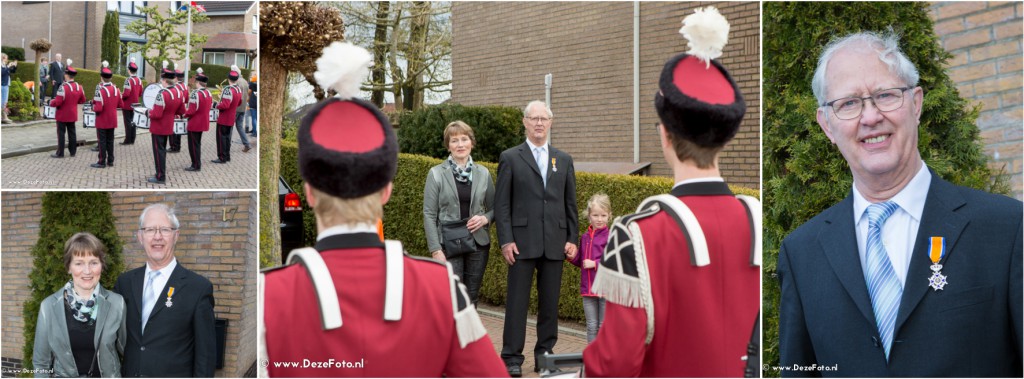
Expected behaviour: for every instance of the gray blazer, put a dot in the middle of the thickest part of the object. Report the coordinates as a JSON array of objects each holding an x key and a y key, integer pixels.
[
  {"x": 52, "y": 348},
  {"x": 441, "y": 203}
]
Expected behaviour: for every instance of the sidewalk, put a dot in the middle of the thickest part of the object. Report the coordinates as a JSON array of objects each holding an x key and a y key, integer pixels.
[
  {"x": 572, "y": 336},
  {"x": 26, "y": 163}
]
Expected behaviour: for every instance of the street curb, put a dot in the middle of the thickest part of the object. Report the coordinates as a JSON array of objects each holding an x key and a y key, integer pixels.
[{"x": 533, "y": 321}]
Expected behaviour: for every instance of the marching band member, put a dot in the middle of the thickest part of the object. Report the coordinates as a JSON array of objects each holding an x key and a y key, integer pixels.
[
  {"x": 105, "y": 104},
  {"x": 182, "y": 89},
  {"x": 403, "y": 316},
  {"x": 161, "y": 123},
  {"x": 131, "y": 92},
  {"x": 198, "y": 114},
  {"x": 69, "y": 95},
  {"x": 230, "y": 97}
]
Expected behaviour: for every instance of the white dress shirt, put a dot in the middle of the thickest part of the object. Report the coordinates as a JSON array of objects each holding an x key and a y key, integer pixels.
[
  {"x": 900, "y": 229},
  {"x": 346, "y": 229},
  {"x": 161, "y": 280},
  {"x": 543, "y": 158},
  {"x": 699, "y": 180}
]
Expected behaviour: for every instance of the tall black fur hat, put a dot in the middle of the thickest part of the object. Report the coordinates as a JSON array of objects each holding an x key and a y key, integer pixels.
[
  {"x": 166, "y": 73},
  {"x": 697, "y": 99},
  {"x": 347, "y": 147}
]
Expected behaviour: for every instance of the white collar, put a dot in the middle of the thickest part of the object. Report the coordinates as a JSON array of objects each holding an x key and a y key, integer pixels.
[
  {"x": 361, "y": 227},
  {"x": 910, "y": 199},
  {"x": 699, "y": 180},
  {"x": 166, "y": 271},
  {"x": 534, "y": 147}
]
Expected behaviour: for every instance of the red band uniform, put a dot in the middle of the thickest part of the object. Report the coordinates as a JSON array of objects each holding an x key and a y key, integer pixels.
[
  {"x": 69, "y": 95},
  {"x": 182, "y": 89},
  {"x": 198, "y": 113},
  {"x": 130, "y": 94},
  {"x": 161, "y": 126},
  {"x": 230, "y": 97},
  {"x": 106, "y": 104}
]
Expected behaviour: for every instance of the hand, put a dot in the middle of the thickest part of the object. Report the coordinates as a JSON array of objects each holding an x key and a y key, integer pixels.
[
  {"x": 589, "y": 264},
  {"x": 570, "y": 250},
  {"x": 510, "y": 251},
  {"x": 476, "y": 222},
  {"x": 438, "y": 255}
]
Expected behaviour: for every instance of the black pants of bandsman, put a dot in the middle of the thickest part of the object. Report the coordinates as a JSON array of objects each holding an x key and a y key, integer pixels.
[
  {"x": 160, "y": 156},
  {"x": 223, "y": 143},
  {"x": 175, "y": 143},
  {"x": 106, "y": 145},
  {"x": 195, "y": 150},
  {"x": 69, "y": 129},
  {"x": 129, "y": 126}
]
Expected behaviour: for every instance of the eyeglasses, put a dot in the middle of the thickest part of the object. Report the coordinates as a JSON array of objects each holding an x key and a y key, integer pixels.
[
  {"x": 537, "y": 120},
  {"x": 886, "y": 100},
  {"x": 149, "y": 232}
]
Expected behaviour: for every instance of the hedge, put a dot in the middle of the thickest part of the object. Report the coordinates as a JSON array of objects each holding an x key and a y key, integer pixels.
[
  {"x": 495, "y": 129},
  {"x": 803, "y": 172},
  {"x": 218, "y": 74},
  {"x": 20, "y": 103},
  {"x": 13, "y": 53},
  {"x": 63, "y": 215},
  {"x": 88, "y": 79},
  {"x": 403, "y": 219}
]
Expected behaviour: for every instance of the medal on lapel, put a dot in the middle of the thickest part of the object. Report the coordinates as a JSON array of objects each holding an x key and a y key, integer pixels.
[
  {"x": 936, "y": 251},
  {"x": 170, "y": 292},
  {"x": 554, "y": 161}
]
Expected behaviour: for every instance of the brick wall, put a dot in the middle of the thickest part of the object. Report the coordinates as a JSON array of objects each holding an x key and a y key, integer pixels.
[
  {"x": 501, "y": 52},
  {"x": 217, "y": 240},
  {"x": 985, "y": 39}
]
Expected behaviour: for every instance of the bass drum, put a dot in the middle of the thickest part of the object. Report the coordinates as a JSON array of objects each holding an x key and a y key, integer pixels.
[{"x": 149, "y": 95}]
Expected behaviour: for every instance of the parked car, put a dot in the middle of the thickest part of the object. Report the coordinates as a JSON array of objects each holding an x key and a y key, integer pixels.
[{"x": 290, "y": 212}]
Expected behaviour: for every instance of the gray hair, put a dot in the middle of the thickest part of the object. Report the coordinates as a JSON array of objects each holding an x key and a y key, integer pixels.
[
  {"x": 161, "y": 206},
  {"x": 526, "y": 110},
  {"x": 888, "y": 49}
]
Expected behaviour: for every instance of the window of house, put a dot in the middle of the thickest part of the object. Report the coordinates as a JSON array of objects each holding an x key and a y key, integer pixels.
[
  {"x": 242, "y": 60},
  {"x": 213, "y": 58},
  {"x": 127, "y": 7},
  {"x": 255, "y": 24}
]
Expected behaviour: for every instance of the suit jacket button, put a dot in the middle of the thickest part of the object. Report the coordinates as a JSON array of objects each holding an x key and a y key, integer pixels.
[{"x": 142, "y": 348}]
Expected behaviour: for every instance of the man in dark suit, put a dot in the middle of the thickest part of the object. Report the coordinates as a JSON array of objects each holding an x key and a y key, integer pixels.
[
  {"x": 535, "y": 210},
  {"x": 56, "y": 74},
  {"x": 910, "y": 275},
  {"x": 169, "y": 308}
]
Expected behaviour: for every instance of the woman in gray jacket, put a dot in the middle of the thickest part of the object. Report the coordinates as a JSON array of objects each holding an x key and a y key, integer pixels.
[
  {"x": 80, "y": 326},
  {"x": 457, "y": 190}
]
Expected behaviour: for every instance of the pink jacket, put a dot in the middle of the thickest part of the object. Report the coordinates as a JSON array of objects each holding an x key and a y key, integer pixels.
[{"x": 592, "y": 245}]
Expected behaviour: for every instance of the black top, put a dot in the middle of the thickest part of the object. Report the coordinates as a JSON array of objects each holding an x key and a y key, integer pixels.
[
  {"x": 81, "y": 335},
  {"x": 252, "y": 96},
  {"x": 465, "y": 190}
]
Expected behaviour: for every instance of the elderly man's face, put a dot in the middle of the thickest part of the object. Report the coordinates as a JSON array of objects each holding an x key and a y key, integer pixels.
[
  {"x": 158, "y": 237},
  {"x": 537, "y": 124},
  {"x": 875, "y": 144}
]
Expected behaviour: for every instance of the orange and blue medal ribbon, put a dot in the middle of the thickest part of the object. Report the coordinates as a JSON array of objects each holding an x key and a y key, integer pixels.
[{"x": 936, "y": 251}]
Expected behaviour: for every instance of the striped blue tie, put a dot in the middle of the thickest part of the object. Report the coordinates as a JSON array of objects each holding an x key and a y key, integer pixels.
[{"x": 883, "y": 285}]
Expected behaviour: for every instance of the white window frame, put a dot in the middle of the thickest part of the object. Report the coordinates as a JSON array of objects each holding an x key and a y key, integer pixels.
[
  {"x": 244, "y": 61},
  {"x": 213, "y": 54}
]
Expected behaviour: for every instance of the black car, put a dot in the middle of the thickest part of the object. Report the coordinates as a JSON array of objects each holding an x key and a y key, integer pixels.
[{"x": 290, "y": 211}]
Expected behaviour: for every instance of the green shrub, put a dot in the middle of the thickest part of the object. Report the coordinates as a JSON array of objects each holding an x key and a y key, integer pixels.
[
  {"x": 88, "y": 79},
  {"x": 403, "y": 219},
  {"x": 63, "y": 215},
  {"x": 495, "y": 129},
  {"x": 13, "y": 53},
  {"x": 19, "y": 101},
  {"x": 803, "y": 173},
  {"x": 218, "y": 74}
]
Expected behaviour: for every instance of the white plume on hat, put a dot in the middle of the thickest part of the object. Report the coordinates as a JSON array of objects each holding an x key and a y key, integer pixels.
[
  {"x": 133, "y": 60},
  {"x": 105, "y": 64},
  {"x": 707, "y": 31},
  {"x": 199, "y": 70},
  {"x": 342, "y": 67},
  {"x": 69, "y": 62},
  {"x": 235, "y": 68},
  {"x": 165, "y": 64}
]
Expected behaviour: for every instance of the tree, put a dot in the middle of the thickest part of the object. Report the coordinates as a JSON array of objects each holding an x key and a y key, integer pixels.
[
  {"x": 292, "y": 37},
  {"x": 416, "y": 35},
  {"x": 110, "y": 42},
  {"x": 163, "y": 41},
  {"x": 803, "y": 173},
  {"x": 63, "y": 215}
]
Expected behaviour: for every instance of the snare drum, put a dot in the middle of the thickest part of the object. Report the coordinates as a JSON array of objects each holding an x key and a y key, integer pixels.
[
  {"x": 49, "y": 112},
  {"x": 180, "y": 126},
  {"x": 140, "y": 119},
  {"x": 214, "y": 114},
  {"x": 90, "y": 118}
]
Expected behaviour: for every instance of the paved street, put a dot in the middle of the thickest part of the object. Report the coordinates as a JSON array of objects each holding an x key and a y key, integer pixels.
[
  {"x": 27, "y": 163},
  {"x": 572, "y": 336}
]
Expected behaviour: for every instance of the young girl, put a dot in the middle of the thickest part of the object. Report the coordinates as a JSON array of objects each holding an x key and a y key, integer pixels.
[{"x": 592, "y": 243}]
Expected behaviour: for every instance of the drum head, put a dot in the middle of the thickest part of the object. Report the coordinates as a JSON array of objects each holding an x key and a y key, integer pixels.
[{"x": 149, "y": 95}]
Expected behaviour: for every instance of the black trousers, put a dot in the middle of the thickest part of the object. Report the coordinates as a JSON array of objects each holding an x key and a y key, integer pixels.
[
  {"x": 520, "y": 277},
  {"x": 470, "y": 268},
  {"x": 224, "y": 142},
  {"x": 72, "y": 143},
  {"x": 129, "y": 126},
  {"x": 195, "y": 149},
  {"x": 106, "y": 145},
  {"x": 160, "y": 155},
  {"x": 175, "y": 142}
]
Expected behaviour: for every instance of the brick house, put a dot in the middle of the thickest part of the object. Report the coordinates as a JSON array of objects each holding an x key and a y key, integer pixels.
[
  {"x": 75, "y": 28},
  {"x": 985, "y": 40},
  {"x": 217, "y": 240},
  {"x": 501, "y": 52}
]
